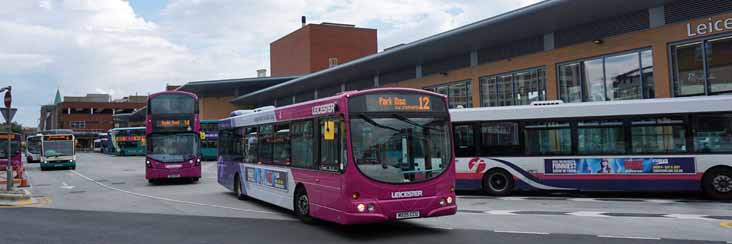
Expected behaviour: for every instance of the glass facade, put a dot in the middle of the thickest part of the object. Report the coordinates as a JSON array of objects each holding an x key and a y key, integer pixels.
[
  {"x": 702, "y": 67},
  {"x": 458, "y": 93},
  {"x": 613, "y": 77},
  {"x": 514, "y": 88}
]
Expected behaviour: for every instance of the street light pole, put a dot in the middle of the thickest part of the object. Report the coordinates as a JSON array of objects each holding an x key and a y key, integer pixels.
[{"x": 9, "y": 166}]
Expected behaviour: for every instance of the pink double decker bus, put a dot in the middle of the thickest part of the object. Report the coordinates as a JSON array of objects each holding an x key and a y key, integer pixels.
[
  {"x": 357, "y": 157},
  {"x": 172, "y": 136}
]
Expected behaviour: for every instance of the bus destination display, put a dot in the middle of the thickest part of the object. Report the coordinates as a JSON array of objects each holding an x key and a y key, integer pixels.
[
  {"x": 397, "y": 102},
  {"x": 173, "y": 123},
  {"x": 57, "y": 138}
]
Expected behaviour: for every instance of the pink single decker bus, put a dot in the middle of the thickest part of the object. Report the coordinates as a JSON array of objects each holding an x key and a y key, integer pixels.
[
  {"x": 172, "y": 134},
  {"x": 357, "y": 157}
]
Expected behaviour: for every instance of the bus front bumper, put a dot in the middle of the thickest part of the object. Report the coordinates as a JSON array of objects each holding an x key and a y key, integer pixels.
[
  {"x": 387, "y": 210},
  {"x": 58, "y": 164},
  {"x": 192, "y": 172}
]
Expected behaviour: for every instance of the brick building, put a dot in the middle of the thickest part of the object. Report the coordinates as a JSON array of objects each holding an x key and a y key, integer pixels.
[
  {"x": 87, "y": 116},
  {"x": 317, "y": 47}
]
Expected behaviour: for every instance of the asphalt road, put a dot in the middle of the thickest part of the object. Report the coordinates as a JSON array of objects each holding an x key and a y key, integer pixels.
[{"x": 107, "y": 200}]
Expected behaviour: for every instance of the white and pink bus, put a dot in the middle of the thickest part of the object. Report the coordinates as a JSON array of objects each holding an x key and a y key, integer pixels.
[
  {"x": 670, "y": 144},
  {"x": 357, "y": 157}
]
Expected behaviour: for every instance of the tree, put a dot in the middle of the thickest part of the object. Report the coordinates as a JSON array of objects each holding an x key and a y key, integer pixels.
[{"x": 16, "y": 128}]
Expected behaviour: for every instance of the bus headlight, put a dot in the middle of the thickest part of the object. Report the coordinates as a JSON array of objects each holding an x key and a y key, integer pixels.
[
  {"x": 442, "y": 202},
  {"x": 449, "y": 200},
  {"x": 148, "y": 164},
  {"x": 198, "y": 162},
  {"x": 361, "y": 207}
]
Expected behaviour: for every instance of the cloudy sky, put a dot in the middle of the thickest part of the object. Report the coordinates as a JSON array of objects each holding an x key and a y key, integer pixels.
[{"x": 124, "y": 47}]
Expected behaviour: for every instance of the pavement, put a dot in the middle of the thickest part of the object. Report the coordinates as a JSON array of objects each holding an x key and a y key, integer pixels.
[{"x": 107, "y": 200}]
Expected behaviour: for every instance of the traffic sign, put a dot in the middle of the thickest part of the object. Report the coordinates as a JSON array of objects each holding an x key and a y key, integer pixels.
[
  {"x": 8, "y": 117},
  {"x": 8, "y": 99}
]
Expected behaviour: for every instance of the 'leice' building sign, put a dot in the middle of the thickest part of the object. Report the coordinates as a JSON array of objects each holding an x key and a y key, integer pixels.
[{"x": 708, "y": 27}]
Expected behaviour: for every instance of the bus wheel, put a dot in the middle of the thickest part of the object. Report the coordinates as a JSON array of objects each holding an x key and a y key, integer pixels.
[
  {"x": 237, "y": 188},
  {"x": 717, "y": 183},
  {"x": 302, "y": 206},
  {"x": 152, "y": 181},
  {"x": 497, "y": 182}
]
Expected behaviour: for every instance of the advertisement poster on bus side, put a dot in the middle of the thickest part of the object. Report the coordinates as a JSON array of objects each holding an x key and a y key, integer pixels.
[
  {"x": 267, "y": 177},
  {"x": 683, "y": 165}
]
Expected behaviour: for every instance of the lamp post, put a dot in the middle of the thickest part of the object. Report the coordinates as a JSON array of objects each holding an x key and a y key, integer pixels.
[{"x": 9, "y": 166}]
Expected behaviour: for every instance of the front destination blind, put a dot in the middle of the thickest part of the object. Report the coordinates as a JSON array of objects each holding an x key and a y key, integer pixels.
[{"x": 396, "y": 102}]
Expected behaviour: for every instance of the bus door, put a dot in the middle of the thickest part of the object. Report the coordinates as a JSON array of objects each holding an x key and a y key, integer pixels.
[{"x": 332, "y": 157}]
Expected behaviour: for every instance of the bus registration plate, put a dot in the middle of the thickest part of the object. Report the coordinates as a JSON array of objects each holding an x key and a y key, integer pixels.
[
  {"x": 174, "y": 176},
  {"x": 407, "y": 215}
]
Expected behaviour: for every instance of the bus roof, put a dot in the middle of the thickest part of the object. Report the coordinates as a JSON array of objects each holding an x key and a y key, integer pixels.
[
  {"x": 151, "y": 96},
  {"x": 596, "y": 109},
  {"x": 303, "y": 110},
  {"x": 128, "y": 128}
]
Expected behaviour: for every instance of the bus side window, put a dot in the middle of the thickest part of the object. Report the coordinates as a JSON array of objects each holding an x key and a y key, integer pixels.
[
  {"x": 250, "y": 148},
  {"x": 500, "y": 139},
  {"x": 330, "y": 144},
  {"x": 302, "y": 144},
  {"x": 464, "y": 141}
]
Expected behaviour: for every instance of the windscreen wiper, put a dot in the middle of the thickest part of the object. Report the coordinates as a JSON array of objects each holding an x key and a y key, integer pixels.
[
  {"x": 372, "y": 122},
  {"x": 411, "y": 122}
]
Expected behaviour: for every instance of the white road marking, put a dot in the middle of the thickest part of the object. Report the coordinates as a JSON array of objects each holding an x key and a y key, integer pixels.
[
  {"x": 512, "y": 198},
  {"x": 521, "y": 232},
  {"x": 501, "y": 212},
  {"x": 583, "y": 199},
  {"x": 171, "y": 200},
  {"x": 589, "y": 214},
  {"x": 631, "y": 237},
  {"x": 66, "y": 186},
  {"x": 686, "y": 216}
]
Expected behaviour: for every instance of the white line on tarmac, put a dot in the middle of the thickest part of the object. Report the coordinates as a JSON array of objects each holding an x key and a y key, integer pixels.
[
  {"x": 521, "y": 232},
  {"x": 171, "y": 200},
  {"x": 687, "y": 216},
  {"x": 583, "y": 199},
  {"x": 589, "y": 214},
  {"x": 501, "y": 212},
  {"x": 631, "y": 237}
]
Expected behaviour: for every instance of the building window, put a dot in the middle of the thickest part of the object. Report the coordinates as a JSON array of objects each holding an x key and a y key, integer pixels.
[
  {"x": 514, "y": 88},
  {"x": 332, "y": 62},
  {"x": 458, "y": 93},
  {"x": 78, "y": 124},
  {"x": 613, "y": 77},
  {"x": 702, "y": 67}
]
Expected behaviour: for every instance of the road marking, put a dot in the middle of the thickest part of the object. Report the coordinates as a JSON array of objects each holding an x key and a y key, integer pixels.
[
  {"x": 631, "y": 237},
  {"x": 521, "y": 232},
  {"x": 583, "y": 199},
  {"x": 589, "y": 214},
  {"x": 726, "y": 224},
  {"x": 512, "y": 198},
  {"x": 686, "y": 216},
  {"x": 66, "y": 186},
  {"x": 663, "y": 201},
  {"x": 169, "y": 199},
  {"x": 501, "y": 212}
]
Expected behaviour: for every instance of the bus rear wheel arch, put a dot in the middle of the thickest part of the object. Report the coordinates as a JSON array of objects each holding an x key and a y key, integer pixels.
[
  {"x": 301, "y": 204},
  {"x": 717, "y": 183},
  {"x": 497, "y": 182}
]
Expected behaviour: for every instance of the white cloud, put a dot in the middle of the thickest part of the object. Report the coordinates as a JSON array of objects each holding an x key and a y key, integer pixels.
[{"x": 86, "y": 46}]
